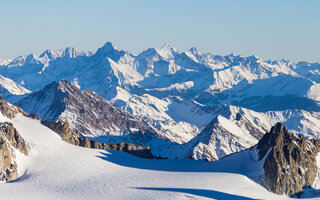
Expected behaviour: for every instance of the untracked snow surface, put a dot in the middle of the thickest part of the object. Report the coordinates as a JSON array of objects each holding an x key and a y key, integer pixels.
[{"x": 58, "y": 170}]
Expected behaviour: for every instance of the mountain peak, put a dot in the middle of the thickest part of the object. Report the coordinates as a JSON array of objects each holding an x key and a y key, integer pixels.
[
  {"x": 5, "y": 61},
  {"x": 62, "y": 100},
  {"x": 109, "y": 46},
  {"x": 167, "y": 51},
  {"x": 63, "y": 86},
  {"x": 47, "y": 53},
  {"x": 286, "y": 158},
  {"x": 110, "y": 51},
  {"x": 71, "y": 52},
  {"x": 53, "y": 99},
  {"x": 167, "y": 46},
  {"x": 32, "y": 59},
  {"x": 253, "y": 58},
  {"x": 68, "y": 52},
  {"x": 195, "y": 51},
  {"x": 66, "y": 86}
]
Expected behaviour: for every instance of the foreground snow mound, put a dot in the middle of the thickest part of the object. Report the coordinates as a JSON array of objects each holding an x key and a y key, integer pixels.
[{"x": 58, "y": 170}]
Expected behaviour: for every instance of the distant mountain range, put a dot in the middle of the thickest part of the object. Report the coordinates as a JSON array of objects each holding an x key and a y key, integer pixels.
[
  {"x": 209, "y": 79},
  {"x": 163, "y": 104},
  {"x": 194, "y": 104}
]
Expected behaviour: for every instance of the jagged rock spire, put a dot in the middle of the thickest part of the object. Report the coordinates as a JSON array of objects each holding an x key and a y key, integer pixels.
[{"x": 290, "y": 161}]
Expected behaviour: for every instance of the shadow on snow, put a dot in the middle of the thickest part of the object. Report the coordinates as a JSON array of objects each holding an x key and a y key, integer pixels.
[{"x": 199, "y": 192}]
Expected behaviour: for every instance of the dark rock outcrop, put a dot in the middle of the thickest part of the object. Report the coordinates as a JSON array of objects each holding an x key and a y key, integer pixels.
[
  {"x": 290, "y": 161},
  {"x": 8, "y": 131},
  {"x": 11, "y": 111},
  {"x": 9, "y": 139},
  {"x": 8, "y": 110},
  {"x": 64, "y": 130},
  {"x": 60, "y": 99}
]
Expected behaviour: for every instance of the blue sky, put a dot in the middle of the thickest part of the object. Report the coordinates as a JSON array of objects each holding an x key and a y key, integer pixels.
[{"x": 269, "y": 29}]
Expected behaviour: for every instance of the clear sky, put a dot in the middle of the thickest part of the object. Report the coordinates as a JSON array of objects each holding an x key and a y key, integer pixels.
[{"x": 288, "y": 29}]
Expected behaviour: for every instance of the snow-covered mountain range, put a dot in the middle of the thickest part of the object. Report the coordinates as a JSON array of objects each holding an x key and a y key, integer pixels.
[
  {"x": 180, "y": 104},
  {"x": 202, "y": 105},
  {"x": 165, "y": 72}
]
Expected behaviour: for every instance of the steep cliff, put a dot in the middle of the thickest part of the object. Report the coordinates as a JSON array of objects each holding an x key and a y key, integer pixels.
[{"x": 290, "y": 163}]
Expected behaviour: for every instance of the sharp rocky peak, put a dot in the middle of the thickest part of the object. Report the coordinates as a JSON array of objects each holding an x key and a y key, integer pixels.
[
  {"x": 109, "y": 46},
  {"x": 68, "y": 52},
  {"x": 67, "y": 85},
  {"x": 168, "y": 46},
  {"x": 110, "y": 51},
  {"x": 62, "y": 85},
  {"x": 31, "y": 59},
  {"x": 290, "y": 161},
  {"x": 60, "y": 100},
  {"x": 194, "y": 51}
]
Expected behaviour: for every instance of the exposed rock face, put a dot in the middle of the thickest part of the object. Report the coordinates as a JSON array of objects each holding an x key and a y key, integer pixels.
[
  {"x": 290, "y": 164},
  {"x": 11, "y": 111},
  {"x": 63, "y": 129},
  {"x": 8, "y": 110},
  {"x": 88, "y": 112},
  {"x": 13, "y": 137},
  {"x": 10, "y": 139},
  {"x": 7, "y": 165}
]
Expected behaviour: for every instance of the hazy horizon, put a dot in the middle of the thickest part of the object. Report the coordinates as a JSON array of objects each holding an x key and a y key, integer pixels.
[{"x": 268, "y": 29}]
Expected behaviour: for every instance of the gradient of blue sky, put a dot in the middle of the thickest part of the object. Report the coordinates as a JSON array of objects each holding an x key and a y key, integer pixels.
[{"x": 269, "y": 29}]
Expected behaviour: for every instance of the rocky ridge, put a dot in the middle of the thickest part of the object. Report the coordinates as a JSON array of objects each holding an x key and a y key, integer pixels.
[
  {"x": 10, "y": 142},
  {"x": 86, "y": 111},
  {"x": 75, "y": 138},
  {"x": 290, "y": 161},
  {"x": 8, "y": 110}
]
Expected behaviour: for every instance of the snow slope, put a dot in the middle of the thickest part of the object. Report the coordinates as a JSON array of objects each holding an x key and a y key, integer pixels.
[
  {"x": 57, "y": 170},
  {"x": 9, "y": 89},
  {"x": 180, "y": 120}
]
